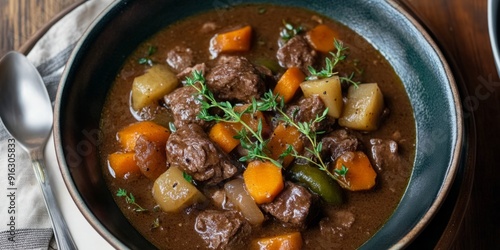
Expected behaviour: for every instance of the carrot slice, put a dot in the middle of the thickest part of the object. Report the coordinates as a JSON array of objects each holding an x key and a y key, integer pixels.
[
  {"x": 289, "y": 83},
  {"x": 223, "y": 134},
  {"x": 263, "y": 181},
  {"x": 289, "y": 241},
  {"x": 123, "y": 165},
  {"x": 322, "y": 38},
  {"x": 232, "y": 41},
  {"x": 360, "y": 173},
  {"x": 152, "y": 131},
  {"x": 280, "y": 139}
]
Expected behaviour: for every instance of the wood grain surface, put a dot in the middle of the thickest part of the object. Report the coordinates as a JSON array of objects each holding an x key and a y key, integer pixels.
[{"x": 470, "y": 217}]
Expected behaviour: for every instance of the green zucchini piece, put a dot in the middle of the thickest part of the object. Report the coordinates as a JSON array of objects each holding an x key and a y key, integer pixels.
[{"x": 318, "y": 182}]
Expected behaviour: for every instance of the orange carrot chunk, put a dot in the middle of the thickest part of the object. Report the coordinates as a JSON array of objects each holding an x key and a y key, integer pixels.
[
  {"x": 123, "y": 165},
  {"x": 232, "y": 41},
  {"x": 280, "y": 139},
  {"x": 223, "y": 134},
  {"x": 289, "y": 241},
  {"x": 263, "y": 181},
  {"x": 322, "y": 38},
  {"x": 289, "y": 83},
  {"x": 252, "y": 120},
  {"x": 360, "y": 173},
  {"x": 150, "y": 130}
]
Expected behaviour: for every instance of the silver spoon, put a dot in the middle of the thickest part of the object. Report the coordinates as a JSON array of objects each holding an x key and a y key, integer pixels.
[{"x": 26, "y": 112}]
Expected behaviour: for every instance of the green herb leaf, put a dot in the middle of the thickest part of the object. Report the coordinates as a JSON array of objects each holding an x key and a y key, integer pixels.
[
  {"x": 147, "y": 60},
  {"x": 187, "y": 177},
  {"x": 330, "y": 64},
  {"x": 172, "y": 127},
  {"x": 342, "y": 173},
  {"x": 130, "y": 199},
  {"x": 289, "y": 31},
  {"x": 156, "y": 223},
  {"x": 350, "y": 81}
]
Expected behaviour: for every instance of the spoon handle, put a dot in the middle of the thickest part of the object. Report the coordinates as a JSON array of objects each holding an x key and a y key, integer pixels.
[{"x": 61, "y": 230}]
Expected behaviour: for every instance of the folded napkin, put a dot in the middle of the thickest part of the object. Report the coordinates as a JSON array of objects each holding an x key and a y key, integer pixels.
[{"x": 24, "y": 221}]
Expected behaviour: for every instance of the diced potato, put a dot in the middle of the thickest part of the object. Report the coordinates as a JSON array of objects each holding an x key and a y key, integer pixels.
[
  {"x": 173, "y": 192},
  {"x": 158, "y": 81},
  {"x": 330, "y": 92},
  {"x": 364, "y": 107}
]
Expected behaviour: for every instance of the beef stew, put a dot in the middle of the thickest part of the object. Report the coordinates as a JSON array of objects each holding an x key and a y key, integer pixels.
[{"x": 244, "y": 77}]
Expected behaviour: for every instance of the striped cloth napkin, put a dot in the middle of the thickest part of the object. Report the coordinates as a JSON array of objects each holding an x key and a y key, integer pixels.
[{"x": 24, "y": 221}]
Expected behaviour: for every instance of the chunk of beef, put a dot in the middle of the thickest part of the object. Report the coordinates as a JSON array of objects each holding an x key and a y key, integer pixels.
[
  {"x": 188, "y": 72},
  {"x": 179, "y": 58},
  {"x": 223, "y": 229},
  {"x": 338, "y": 142},
  {"x": 150, "y": 157},
  {"x": 192, "y": 151},
  {"x": 384, "y": 153},
  {"x": 292, "y": 206},
  {"x": 185, "y": 106},
  {"x": 297, "y": 53},
  {"x": 307, "y": 109},
  {"x": 235, "y": 79}
]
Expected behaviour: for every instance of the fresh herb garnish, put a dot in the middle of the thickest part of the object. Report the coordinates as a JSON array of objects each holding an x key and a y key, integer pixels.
[
  {"x": 172, "y": 127},
  {"x": 289, "y": 31},
  {"x": 252, "y": 140},
  {"x": 187, "y": 177},
  {"x": 342, "y": 172},
  {"x": 147, "y": 59},
  {"x": 130, "y": 199},
  {"x": 349, "y": 80},
  {"x": 156, "y": 223},
  {"x": 330, "y": 64}
]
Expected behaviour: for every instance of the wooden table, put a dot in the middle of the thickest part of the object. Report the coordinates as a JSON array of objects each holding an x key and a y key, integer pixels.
[{"x": 461, "y": 31}]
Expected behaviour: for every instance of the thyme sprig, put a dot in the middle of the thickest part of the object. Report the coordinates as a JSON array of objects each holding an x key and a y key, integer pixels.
[
  {"x": 253, "y": 140},
  {"x": 330, "y": 64},
  {"x": 342, "y": 173},
  {"x": 130, "y": 199}
]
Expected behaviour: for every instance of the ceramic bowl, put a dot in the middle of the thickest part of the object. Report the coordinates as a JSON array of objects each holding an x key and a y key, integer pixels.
[{"x": 120, "y": 28}]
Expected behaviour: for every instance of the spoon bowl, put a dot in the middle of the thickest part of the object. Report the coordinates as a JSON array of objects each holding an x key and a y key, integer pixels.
[
  {"x": 24, "y": 104},
  {"x": 26, "y": 112}
]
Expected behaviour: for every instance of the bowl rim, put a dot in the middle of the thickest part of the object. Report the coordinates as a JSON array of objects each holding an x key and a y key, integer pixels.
[
  {"x": 404, "y": 241},
  {"x": 457, "y": 152}
]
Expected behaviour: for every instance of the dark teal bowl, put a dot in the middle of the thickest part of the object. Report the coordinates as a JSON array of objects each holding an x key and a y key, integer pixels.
[{"x": 120, "y": 28}]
